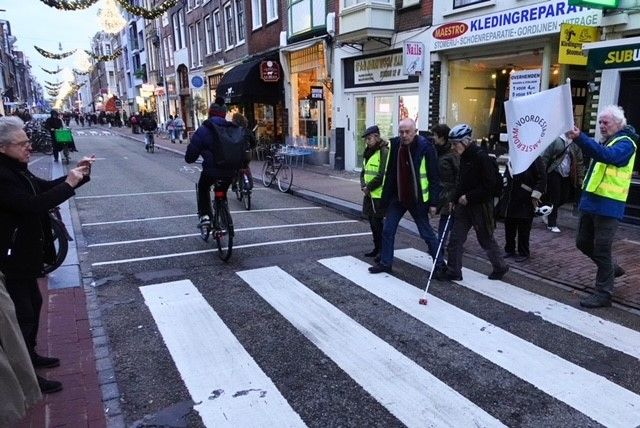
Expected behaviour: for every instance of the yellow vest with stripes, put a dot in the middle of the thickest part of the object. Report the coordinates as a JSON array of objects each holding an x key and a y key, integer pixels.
[
  {"x": 371, "y": 168},
  {"x": 424, "y": 181},
  {"x": 610, "y": 181}
]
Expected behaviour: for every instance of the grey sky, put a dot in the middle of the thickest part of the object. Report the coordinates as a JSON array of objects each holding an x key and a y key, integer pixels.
[{"x": 34, "y": 23}]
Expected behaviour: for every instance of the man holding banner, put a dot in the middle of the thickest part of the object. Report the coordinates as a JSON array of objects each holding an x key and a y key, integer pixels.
[{"x": 604, "y": 195}]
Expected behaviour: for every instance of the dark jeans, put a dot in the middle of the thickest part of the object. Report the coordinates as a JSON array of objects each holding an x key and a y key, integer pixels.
[
  {"x": 594, "y": 238},
  {"x": 420, "y": 215},
  {"x": 203, "y": 189},
  {"x": 558, "y": 193},
  {"x": 28, "y": 302},
  {"x": 520, "y": 228},
  {"x": 480, "y": 217},
  {"x": 376, "y": 223}
]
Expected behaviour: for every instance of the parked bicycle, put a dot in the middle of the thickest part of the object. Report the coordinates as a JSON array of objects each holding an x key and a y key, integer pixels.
[
  {"x": 242, "y": 188},
  {"x": 61, "y": 239},
  {"x": 39, "y": 136},
  {"x": 276, "y": 169},
  {"x": 221, "y": 226}
]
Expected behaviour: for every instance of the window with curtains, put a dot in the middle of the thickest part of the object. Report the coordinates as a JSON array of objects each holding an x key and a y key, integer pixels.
[
  {"x": 272, "y": 10},
  {"x": 217, "y": 30},
  {"x": 240, "y": 20},
  {"x": 229, "y": 27}
]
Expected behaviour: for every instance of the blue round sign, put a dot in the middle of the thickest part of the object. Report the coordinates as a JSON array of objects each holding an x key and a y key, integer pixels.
[{"x": 197, "y": 81}]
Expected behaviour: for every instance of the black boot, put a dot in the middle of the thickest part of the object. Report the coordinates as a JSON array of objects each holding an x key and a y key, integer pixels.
[
  {"x": 48, "y": 386},
  {"x": 372, "y": 253},
  {"x": 44, "y": 362}
]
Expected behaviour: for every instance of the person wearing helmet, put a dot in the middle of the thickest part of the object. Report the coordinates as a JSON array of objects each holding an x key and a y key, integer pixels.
[
  {"x": 604, "y": 195},
  {"x": 473, "y": 206},
  {"x": 411, "y": 183},
  {"x": 519, "y": 201}
]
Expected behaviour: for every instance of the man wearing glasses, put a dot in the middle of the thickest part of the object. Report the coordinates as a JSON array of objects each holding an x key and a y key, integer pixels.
[{"x": 25, "y": 230}]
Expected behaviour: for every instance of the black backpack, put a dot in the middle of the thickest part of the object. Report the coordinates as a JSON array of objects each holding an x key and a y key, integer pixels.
[{"x": 229, "y": 150}]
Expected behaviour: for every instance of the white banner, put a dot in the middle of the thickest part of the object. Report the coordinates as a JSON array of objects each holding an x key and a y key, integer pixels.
[{"x": 534, "y": 121}]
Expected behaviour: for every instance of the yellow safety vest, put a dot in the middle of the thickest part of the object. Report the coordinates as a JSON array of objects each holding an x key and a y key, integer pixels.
[
  {"x": 371, "y": 168},
  {"x": 424, "y": 181},
  {"x": 610, "y": 181}
]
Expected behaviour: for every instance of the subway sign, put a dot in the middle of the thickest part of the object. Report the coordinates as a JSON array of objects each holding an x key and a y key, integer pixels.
[{"x": 614, "y": 57}]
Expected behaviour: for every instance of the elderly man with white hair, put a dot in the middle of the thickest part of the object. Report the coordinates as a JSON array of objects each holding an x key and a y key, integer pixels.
[{"x": 604, "y": 195}]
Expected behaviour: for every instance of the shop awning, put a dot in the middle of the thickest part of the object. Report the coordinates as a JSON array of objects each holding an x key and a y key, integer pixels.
[
  {"x": 617, "y": 53},
  {"x": 243, "y": 84}
]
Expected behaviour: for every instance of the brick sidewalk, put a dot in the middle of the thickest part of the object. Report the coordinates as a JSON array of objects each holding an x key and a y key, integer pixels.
[{"x": 65, "y": 333}]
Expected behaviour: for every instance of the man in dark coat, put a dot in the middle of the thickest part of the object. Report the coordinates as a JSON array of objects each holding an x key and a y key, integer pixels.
[
  {"x": 473, "y": 206},
  {"x": 202, "y": 144},
  {"x": 25, "y": 230},
  {"x": 51, "y": 124},
  {"x": 411, "y": 184}
]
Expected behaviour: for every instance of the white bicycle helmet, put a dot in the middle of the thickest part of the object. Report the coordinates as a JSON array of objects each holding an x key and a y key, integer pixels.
[
  {"x": 543, "y": 210},
  {"x": 460, "y": 131}
]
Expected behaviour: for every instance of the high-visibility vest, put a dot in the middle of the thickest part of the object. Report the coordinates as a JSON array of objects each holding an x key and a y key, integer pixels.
[
  {"x": 424, "y": 181},
  {"x": 610, "y": 181},
  {"x": 371, "y": 168}
]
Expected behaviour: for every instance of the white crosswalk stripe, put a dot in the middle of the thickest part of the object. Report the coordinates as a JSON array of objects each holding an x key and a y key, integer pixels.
[
  {"x": 591, "y": 394},
  {"x": 237, "y": 392},
  {"x": 410, "y": 393},
  {"x": 595, "y": 328},
  {"x": 228, "y": 392}
]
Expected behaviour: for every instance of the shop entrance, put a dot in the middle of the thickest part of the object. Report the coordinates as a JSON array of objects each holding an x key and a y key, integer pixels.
[{"x": 385, "y": 110}]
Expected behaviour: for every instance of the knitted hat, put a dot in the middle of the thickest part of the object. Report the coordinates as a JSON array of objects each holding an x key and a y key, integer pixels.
[{"x": 217, "y": 110}]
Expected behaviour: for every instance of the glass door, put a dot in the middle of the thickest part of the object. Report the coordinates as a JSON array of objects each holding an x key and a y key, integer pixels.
[{"x": 383, "y": 114}]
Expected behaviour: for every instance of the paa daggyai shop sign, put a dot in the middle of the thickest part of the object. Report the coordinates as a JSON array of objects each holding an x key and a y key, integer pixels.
[{"x": 378, "y": 69}]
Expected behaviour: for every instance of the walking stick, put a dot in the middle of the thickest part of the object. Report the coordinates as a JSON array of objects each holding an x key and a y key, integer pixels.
[{"x": 423, "y": 299}]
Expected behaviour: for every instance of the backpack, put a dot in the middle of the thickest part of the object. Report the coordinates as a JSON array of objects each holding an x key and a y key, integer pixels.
[{"x": 229, "y": 150}]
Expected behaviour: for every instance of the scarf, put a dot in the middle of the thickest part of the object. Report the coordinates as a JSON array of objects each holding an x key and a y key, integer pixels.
[{"x": 406, "y": 177}]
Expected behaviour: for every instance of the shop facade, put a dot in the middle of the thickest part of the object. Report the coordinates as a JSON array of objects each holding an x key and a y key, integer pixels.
[
  {"x": 616, "y": 64},
  {"x": 476, "y": 59}
]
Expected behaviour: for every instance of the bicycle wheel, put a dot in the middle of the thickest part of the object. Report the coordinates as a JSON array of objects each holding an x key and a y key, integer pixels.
[
  {"x": 285, "y": 178},
  {"x": 267, "y": 173},
  {"x": 61, "y": 245},
  {"x": 223, "y": 231}
]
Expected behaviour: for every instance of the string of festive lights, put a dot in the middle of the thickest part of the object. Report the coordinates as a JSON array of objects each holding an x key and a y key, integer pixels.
[
  {"x": 111, "y": 57},
  {"x": 110, "y": 18},
  {"x": 69, "y": 5},
  {"x": 54, "y": 84},
  {"x": 147, "y": 13},
  {"x": 51, "y": 72},
  {"x": 81, "y": 73},
  {"x": 50, "y": 55},
  {"x": 51, "y": 88}
]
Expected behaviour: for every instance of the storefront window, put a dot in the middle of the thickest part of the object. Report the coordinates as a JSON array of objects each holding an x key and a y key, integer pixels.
[
  {"x": 479, "y": 87},
  {"x": 383, "y": 115},
  {"x": 361, "y": 126}
]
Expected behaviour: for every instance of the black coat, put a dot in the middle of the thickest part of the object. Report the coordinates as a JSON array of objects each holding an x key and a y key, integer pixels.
[
  {"x": 25, "y": 228},
  {"x": 477, "y": 179},
  {"x": 516, "y": 200}
]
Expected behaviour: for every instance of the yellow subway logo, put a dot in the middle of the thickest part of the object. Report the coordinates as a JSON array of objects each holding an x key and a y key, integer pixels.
[{"x": 623, "y": 56}]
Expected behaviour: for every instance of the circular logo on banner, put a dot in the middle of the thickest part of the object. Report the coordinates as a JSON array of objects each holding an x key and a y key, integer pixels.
[
  {"x": 528, "y": 132},
  {"x": 197, "y": 81}
]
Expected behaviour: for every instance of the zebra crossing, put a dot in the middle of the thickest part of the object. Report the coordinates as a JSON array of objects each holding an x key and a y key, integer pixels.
[
  {"x": 232, "y": 389},
  {"x": 92, "y": 133}
]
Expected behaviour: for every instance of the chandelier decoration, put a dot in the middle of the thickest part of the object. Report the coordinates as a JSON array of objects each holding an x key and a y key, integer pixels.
[
  {"x": 50, "y": 55},
  {"x": 110, "y": 18},
  {"x": 70, "y": 5},
  {"x": 111, "y": 57},
  {"x": 55, "y": 85},
  {"x": 51, "y": 72},
  {"x": 81, "y": 73},
  {"x": 83, "y": 63},
  {"x": 147, "y": 13}
]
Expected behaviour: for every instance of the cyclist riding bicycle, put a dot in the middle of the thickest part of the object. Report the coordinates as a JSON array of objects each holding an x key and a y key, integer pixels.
[
  {"x": 149, "y": 126},
  {"x": 239, "y": 120},
  {"x": 202, "y": 144}
]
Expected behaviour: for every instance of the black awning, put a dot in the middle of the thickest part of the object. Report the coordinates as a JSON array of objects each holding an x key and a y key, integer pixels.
[{"x": 243, "y": 84}]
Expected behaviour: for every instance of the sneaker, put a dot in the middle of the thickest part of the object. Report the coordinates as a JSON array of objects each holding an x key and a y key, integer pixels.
[
  {"x": 598, "y": 300},
  {"x": 205, "y": 220},
  {"x": 44, "y": 362},
  {"x": 48, "y": 386},
  {"x": 377, "y": 268},
  {"x": 498, "y": 274},
  {"x": 554, "y": 229}
]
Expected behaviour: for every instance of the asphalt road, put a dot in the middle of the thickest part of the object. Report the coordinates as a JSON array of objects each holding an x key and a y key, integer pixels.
[{"x": 293, "y": 331}]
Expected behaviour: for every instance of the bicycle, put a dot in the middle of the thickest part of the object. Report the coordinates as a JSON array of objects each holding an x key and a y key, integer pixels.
[
  {"x": 150, "y": 144},
  {"x": 221, "y": 226},
  {"x": 61, "y": 239},
  {"x": 242, "y": 188},
  {"x": 276, "y": 169}
]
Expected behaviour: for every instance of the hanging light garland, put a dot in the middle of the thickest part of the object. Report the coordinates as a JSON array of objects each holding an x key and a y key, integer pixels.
[
  {"x": 147, "y": 13},
  {"x": 50, "y": 55},
  {"x": 70, "y": 5},
  {"x": 51, "y": 88},
  {"x": 53, "y": 93},
  {"x": 56, "y": 84},
  {"x": 51, "y": 72},
  {"x": 111, "y": 57},
  {"x": 82, "y": 73},
  {"x": 110, "y": 18}
]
